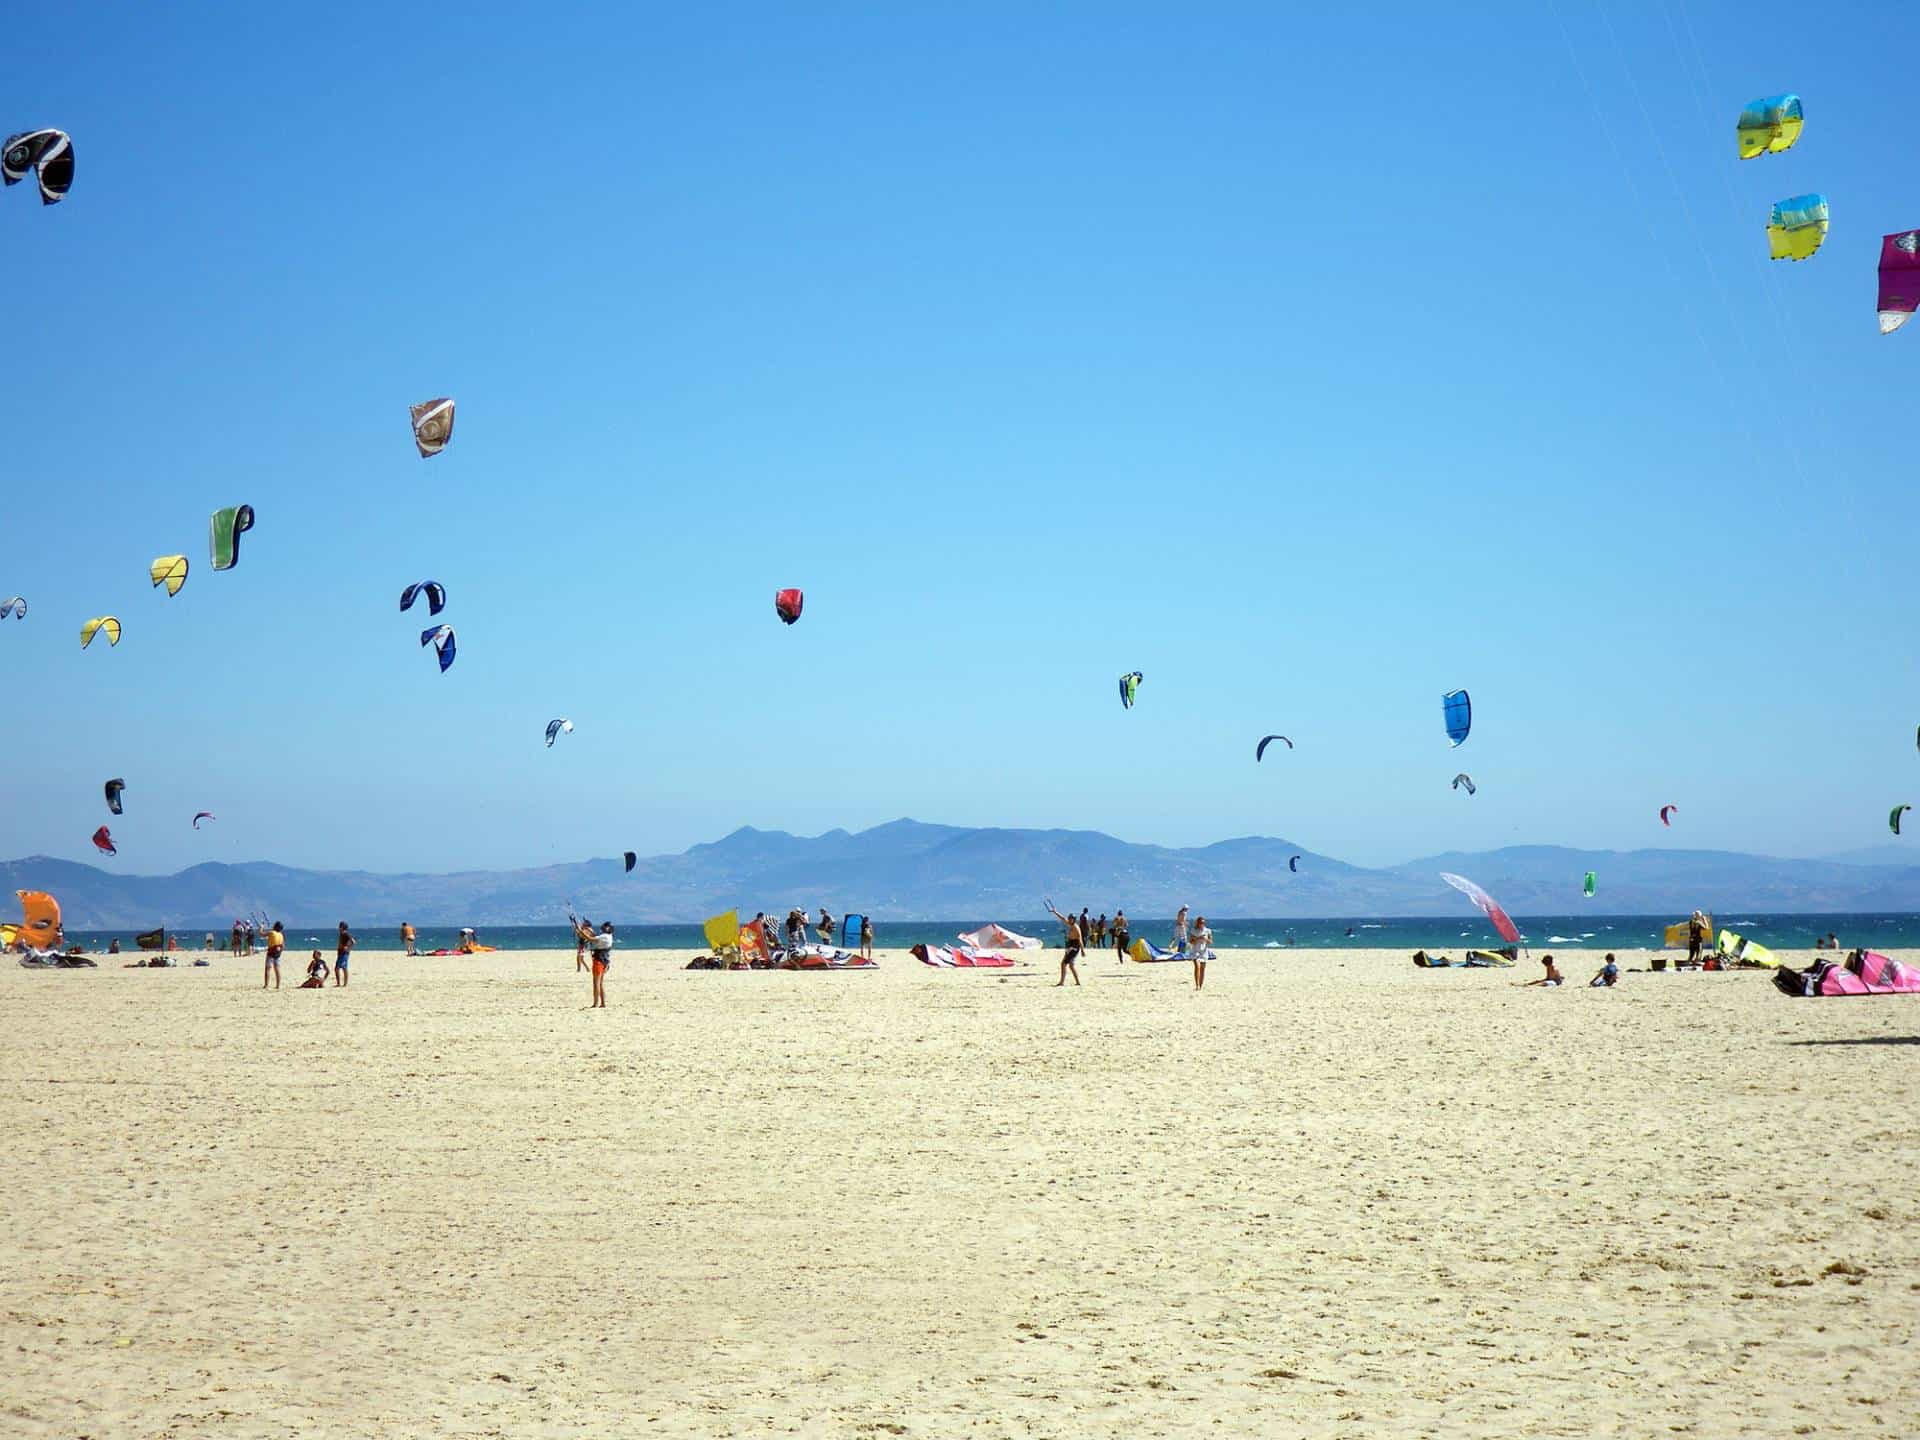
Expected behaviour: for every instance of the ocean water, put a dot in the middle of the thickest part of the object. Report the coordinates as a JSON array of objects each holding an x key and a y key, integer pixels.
[{"x": 1633, "y": 932}]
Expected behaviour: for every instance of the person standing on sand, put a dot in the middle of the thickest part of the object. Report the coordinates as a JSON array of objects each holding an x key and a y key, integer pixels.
[
  {"x": 408, "y": 938},
  {"x": 582, "y": 942},
  {"x": 866, "y": 936},
  {"x": 602, "y": 961},
  {"x": 1201, "y": 938},
  {"x": 826, "y": 927},
  {"x": 1696, "y": 928},
  {"x": 1180, "y": 930},
  {"x": 343, "y": 950},
  {"x": 1068, "y": 961},
  {"x": 276, "y": 946}
]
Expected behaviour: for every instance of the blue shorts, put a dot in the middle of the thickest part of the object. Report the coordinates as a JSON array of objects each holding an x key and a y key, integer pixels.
[{"x": 340, "y": 960}]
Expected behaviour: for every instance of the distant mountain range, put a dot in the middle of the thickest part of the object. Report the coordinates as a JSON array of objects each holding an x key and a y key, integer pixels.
[{"x": 906, "y": 870}]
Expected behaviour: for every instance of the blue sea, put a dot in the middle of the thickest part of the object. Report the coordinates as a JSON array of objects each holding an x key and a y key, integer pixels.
[{"x": 1633, "y": 932}]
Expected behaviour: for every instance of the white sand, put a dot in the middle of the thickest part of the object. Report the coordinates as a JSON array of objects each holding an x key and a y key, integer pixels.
[{"x": 1332, "y": 1196}]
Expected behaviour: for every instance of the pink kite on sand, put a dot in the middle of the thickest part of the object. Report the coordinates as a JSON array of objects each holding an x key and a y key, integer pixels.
[
  {"x": 1866, "y": 972},
  {"x": 959, "y": 958},
  {"x": 1489, "y": 907},
  {"x": 998, "y": 937}
]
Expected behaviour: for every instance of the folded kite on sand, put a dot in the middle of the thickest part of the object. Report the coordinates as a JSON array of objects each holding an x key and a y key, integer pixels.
[
  {"x": 1145, "y": 952},
  {"x": 959, "y": 958},
  {"x": 1866, "y": 972},
  {"x": 998, "y": 937},
  {"x": 825, "y": 957}
]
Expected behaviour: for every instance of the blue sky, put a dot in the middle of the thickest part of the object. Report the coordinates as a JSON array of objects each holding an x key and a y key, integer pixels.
[{"x": 1312, "y": 363}]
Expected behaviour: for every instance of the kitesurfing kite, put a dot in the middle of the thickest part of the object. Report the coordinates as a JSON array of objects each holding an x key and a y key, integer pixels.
[
  {"x": 103, "y": 842},
  {"x": 1130, "y": 687},
  {"x": 1464, "y": 781},
  {"x": 435, "y": 592},
  {"x": 1586, "y": 889},
  {"x": 13, "y": 605},
  {"x": 557, "y": 728},
  {"x": 100, "y": 625},
  {"x": 433, "y": 426},
  {"x": 1893, "y": 819},
  {"x": 1899, "y": 279},
  {"x": 1294, "y": 864},
  {"x": 787, "y": 603},
  {"x": 441, "y": 638},
  {"x": 114, "y": 787},
  {"x": 1769, "y": 125},
  {"x": 1667, "y": 812},
  {"x": 632, "y": 860},
  {"x": 224, "y": 532},
  {"x": 1457, "y": 707},
  {"x": 50, "y": 152},
  {"x": 170, "y": 571},
  {"x": 1489, "y": 907},
  {"x": 203, "y": 815},
  {"x": 1798, "y": 227},
  {"x": 1260, "y": 750}
]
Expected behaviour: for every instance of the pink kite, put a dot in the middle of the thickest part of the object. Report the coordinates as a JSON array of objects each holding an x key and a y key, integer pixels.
[
  {"x": 1899, "y": 279},
  {"x": 959, "y": 958},
  {"x": 1489, "y": 907}
]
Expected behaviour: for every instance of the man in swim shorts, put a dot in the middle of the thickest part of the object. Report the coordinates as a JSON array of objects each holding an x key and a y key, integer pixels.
[
  {"x": 602, "y": 962},
  {"x": 343, "y": 951},
  {"x": 276, "y": 944}
]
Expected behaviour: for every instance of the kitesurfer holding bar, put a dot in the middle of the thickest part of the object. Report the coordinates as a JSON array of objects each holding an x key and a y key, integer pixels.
[{"x": 1074, "y": 939}]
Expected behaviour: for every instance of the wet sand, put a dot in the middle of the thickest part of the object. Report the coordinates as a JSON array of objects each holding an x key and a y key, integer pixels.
[{"x": 1331, "y": 1196}]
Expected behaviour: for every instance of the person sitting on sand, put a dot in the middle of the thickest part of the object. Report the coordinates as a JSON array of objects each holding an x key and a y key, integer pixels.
[
  {"x": 1552, "y": 977},
  {"x": 316, "y": 973},
  {"x": 1608, "y": 974},
  {"x": 1074, "y": 941}
]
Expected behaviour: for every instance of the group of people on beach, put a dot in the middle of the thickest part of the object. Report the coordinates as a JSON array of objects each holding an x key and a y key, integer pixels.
[
  {"x": 1193, "y": 940},
  {"x": 318, "y": 971}
]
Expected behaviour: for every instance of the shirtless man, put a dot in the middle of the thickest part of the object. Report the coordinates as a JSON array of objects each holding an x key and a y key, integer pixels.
[{"x": 1074, "y": 942}]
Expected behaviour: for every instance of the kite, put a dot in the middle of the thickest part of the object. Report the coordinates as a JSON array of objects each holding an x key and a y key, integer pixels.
[
  {"x": 441, "y": 638},
  {"x": 432, "y": 426},
  {"x": 1294, "y": 864},
  {"x": 1489, "y": 907},
  {"x": 114, "y": 787},
  {"x": 203, "y": 815},
  {"x": 100, "y": 625},
  {"x": 170, "y": 571},
  {"x": 1894, "y": 818},
  {"x": 1457, "y": 707},
  {"x": 103, "y": 842},
  {"x": 13, "y": 605},
  {"x": 1586, "y": 889},
  {"x": 787, "y": 603},
  {"x": 223, "y": 534},
  {"x": 1899, "y": 279},
  {"x": 1130, "y": 687},
  {"x": 435, "y": 592},
  {"x": 557, "y": 728},
  {"x": 1769, "y": 125},
  {"x": 50, "y": 152},
  {"x": 1798, "y": 227},
  {"x": 1260, "y": 750},
  {"x": 1667, "y": 812},
  {"x": 1464, "y": 780},
  {"x": 632, "y": 860}
]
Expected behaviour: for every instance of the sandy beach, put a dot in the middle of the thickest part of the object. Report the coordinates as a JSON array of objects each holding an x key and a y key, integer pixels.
[{"x": 1332, "y": 1195}]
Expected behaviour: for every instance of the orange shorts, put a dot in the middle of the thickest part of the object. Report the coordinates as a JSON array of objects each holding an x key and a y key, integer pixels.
[{"x": 599, "y": 967}]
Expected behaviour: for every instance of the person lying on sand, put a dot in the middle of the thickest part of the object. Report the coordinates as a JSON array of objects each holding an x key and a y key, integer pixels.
[
  {"x": 1552, "y": 977},
  {"x": 1608, "y": 974}
]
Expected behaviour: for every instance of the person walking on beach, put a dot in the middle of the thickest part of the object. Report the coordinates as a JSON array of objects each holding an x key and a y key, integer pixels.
[
  {"x": 1201, "y": 938},
  {"x": 408, "y": 938},
  {"x": 1120, "y": 936},
  {"x": 1180, "y": 930},
  {"x": 276, "y": 946},
  {"x": 343, "y": 949},
  {"x": 866, "y": 936},
  {"x": 1068, "y": 965},
  {"x": 602, "y": 961}
]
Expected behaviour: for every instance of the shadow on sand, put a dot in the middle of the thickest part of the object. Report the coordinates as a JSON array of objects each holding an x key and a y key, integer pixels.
[{"x": 1865, "y": 1040}]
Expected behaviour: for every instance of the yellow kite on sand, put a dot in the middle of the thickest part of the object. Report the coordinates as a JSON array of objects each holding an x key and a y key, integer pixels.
[{"x": 723, "y": 931}]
